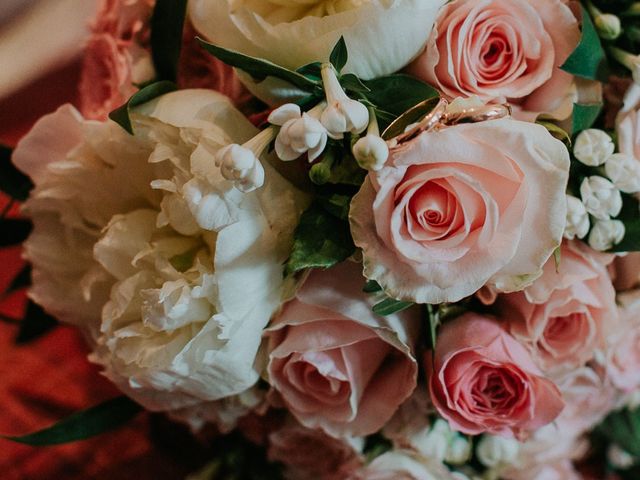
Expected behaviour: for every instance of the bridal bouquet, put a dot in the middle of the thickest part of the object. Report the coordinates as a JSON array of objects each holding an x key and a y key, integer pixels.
[{"x": 363, "y": 239}]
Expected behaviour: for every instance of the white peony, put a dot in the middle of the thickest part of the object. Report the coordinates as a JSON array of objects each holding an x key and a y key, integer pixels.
[
  {"x": 382, "y": 35},
  {"x": 142, "y": 241}
]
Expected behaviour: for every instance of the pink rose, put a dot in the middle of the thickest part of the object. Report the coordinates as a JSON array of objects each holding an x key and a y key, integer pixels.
[
  {"x": 482, "y": 380},
  {"x": 403, "y": 465},
  {"x": 623, "y": 366},
  {"x": 105, "y": 82},
  {"x": 313, "y": 454},
  {"x": 564, "y": 317},
  {"x": 337, "y": 365},
  {"x": 453, "y": 209},
  {"x": 504, "y": 50},
  {"x": 124, "y": 20}
]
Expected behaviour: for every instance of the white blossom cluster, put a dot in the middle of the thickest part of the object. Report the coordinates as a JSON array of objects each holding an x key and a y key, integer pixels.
[{"x": 600, "y": 202}]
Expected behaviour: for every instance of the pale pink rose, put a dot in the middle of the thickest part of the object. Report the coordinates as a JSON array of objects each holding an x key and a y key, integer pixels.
[
  {"x": 336, "y": 365},
  {"x": 403, "y": 465},
  {"x": 628, "y": 123},
  {"x": 308, "y": 453},
  {"x": 623, "y": 364},
  {"x": 200, "y": 69},
  {"x": 482, "y": 380},
  {"x": 563, "y": 470},
  {"x": 105, "y": 82},
  {"x": 124, "y": 20},
  {"x": 453, "y": 210},
  {"x": 564, "y": 317},
  {"x": 504, "y": 51}
]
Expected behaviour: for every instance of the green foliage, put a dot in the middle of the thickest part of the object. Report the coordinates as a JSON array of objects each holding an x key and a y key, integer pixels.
[
  {"x": 397, "y": 93},
  {"x": 121, "y": 115},
  {"x": 12, "y": 182},
  {"x": 167, "y": 23},
  {"x": 371, "y": 287},
  {"x": 339, "y": 55},
  {"x": 84, "y": 424},
  {"x": 585, "y": 115},
  {"x": 259, "y": 69},
  {"x": 321, "y": 240},
  {"x": 588, "y": 59},
  {"x": 630, "y": 216},
  {"x": 389, "y": 306},
  {"x": 622, "y": 428}
]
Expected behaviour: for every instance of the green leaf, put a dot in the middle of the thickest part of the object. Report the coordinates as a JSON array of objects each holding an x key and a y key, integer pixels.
[
  {"x": 320, "y": 241},
  {"x": 311, "y": 71},
  {"x": 259, "y": 69},
  {"x": 121, "y": 115},
  {"x": 588, "y": 59},
  {"x": 349, "y": 81},
  {"x": 433, "y": 316},
  {"x": 339, "y": 55},
  {"x": 371, "y": 287},
  {"x": 337, "y": 204},
  {"x": 36, "y": 322},
  {"x": 84, "y": 424},
  {"x": 14, "y": 231},
  {"x": 630, "y": 216},
  {"x": 398, "y": 93},
  {"x": 556, "y": 131},
  {"x": 12, "y": 181},
  {"x": 167, "y": 23},
  {"x": 622, "y": 427},
  {"x": 389, "y": 306},
  {"x": 584, "y": 115}
]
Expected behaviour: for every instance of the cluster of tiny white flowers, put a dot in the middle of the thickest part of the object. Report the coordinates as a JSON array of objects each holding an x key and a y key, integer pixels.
[{"x": 600, "y": 197}]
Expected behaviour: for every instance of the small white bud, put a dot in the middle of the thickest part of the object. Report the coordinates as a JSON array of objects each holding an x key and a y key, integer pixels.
[
  {"x": 619, "y": 458},
  {"x": 301, "y": 135},
  {"x": 241, "y": 166},
  {"x": 608, "y": 26},
  {"x": 342, "y": 114},
  {"x": 605, "y": 234},
  {"x": 624, "y": 172},
  {"x": 592, "y": 147},
  {"x": 629, "y": 60},
  {"x": 434, "y": 441},
  {"x": 459, "y": 451},
  {"x": 601, "y": 197},
  {"x": 577, "y": 219},
  {"x": 371, "y": 152},
  {"x": 493, "y": 450}
]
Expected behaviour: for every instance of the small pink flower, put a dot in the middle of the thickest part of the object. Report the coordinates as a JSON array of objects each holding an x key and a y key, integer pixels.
[
  {"x": 336, "y": 365},
  {"x": 482, "y": 380},
  {"x": 308, "y": 453},
  {"x": 564, "y": 317},
  {"x": 504, "y": 50}
]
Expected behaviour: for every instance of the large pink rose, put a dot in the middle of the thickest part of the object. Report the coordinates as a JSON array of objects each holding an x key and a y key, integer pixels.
[
  {"x": 623, "y": 366},
  {"x": 308, "y": 453},
  {"x": 504, "y": 50},
  {"x": 453, "y": 210},
  {"x": 482, "y": 380},
  {"x": 564, "y": 317},
  {"x": 336, "y": 365}
]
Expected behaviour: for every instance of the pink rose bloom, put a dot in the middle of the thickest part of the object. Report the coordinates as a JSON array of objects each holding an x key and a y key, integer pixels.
[
  {"x": 482, "y": 380},
  {"x": 124, "y": 20},
  {"x": 623, "y": 365},
  {"x": 313, "y": 454},
  {"x": 564, "y": 317},
  {"x": 403, "y": 465},
  {"x": 337, "y": 365},
  {"x": 452, "y": 210},
  {"x": 504, "y": 51}
]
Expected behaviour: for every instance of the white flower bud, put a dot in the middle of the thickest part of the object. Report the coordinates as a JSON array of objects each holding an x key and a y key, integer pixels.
[
  {"x": 342, "y": 114},
  {"x": 577, "y": 219},
  {"x": 608, "y": 26},
  {"x": 300, "y": 133},
  {"x": 241, "y": 166},
  {"x": 624, "y": 172},
  {"x": 371, "y": 152},
  {"x": 632, "y": 62},
  {"x": 459, "y": 451},
  {"x": 493, "y": 451},
  {"x": 434, "y": 442},
  {"x": 605, "y": 234},
  {"x": 619, "y": 458},
  {"x": 592, "y": 147},
  {"x": 601, "y": 197}
]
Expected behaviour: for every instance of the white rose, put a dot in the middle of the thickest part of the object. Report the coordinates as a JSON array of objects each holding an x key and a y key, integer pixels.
[
  {"x": 601, "y": 197},
  {"x": 592, "y": 147},
  {"x": 143, "y": 242},
  {"x": 605, "y": 234},
  {"x": 293, "y": 33},
  {"x": 577, "y": 219},
  {"x": 624, "y": 172},
  {"x": 619, "y": 458},
  {"x": 493, "y": 451}
]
